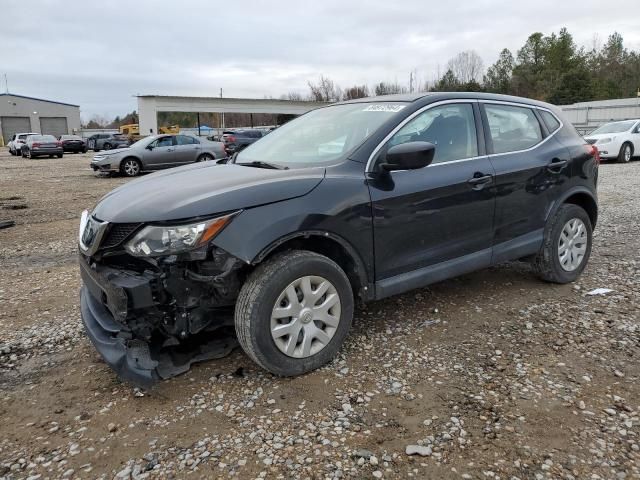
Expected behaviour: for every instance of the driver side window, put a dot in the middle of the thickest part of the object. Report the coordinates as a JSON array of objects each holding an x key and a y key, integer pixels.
[
  {"x": 163, "y": 142},
  {"x": 451, "y": 128}
]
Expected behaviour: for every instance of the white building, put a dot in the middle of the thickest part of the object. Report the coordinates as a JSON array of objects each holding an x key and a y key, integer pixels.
[
  {"x": 26, "y": 114},
  {"x": 587, "y": 116}
]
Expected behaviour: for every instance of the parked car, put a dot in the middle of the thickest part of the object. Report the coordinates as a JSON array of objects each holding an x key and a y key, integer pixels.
[
  {"x": 238, "y": 140},
  {"x": 42, "y": 145},
  {"x": 73, "y": 143},
  {"x": 617, "y": 140},
  {"x": 17, "y": 141},
  {"x": 290, "y": 234},
  {"x": 106, "y": 141},
  {"x": 157, "y": 152}
]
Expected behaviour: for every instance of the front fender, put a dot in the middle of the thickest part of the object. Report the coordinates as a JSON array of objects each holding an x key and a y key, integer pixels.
[{"x": 339, "y": 207}]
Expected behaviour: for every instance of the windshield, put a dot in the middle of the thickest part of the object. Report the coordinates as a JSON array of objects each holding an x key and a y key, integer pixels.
[
  {"x": 143, "y": 142},
  {"x": 42, "y": 138},
  {"x": 320, "y": 136},
  {"x": 617, "y": 127}
]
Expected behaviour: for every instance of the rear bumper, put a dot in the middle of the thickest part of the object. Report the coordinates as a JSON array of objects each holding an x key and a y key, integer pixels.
[{"x": 47, "y": 151}]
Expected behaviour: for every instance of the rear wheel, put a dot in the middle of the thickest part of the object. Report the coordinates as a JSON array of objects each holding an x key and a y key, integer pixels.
[
  {"x": 626, "y": 153},
  {"x": 107, "y": 146},
  {"x": 205, "y": 157},
  {"x": 59, "y": 155},
  {"x": 130, "y": 167},
  {"x": 567, "y": 245},
  {"x": 294, "y": 312}
]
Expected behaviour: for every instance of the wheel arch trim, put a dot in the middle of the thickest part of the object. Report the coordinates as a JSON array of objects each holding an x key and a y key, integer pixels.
[
  {"x": 574, "y": 192},
  {"x": 367, "y": 288}
]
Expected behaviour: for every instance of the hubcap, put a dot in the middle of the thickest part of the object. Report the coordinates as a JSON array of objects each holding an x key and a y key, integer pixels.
[
  {"x": 131, "y": 167},
  {"x": 305, "y": 316},
  {"x": 572, "y": 244},
  {"x": 627, "y": 153}
]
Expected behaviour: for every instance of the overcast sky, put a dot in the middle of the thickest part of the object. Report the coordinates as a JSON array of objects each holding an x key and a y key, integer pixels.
[{"x": 101, "y": 54}]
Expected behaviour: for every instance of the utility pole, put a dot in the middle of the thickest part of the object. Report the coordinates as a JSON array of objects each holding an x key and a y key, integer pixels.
[
  {"x": 6, "y": 84},
  {"x": 222, "y": 112}
]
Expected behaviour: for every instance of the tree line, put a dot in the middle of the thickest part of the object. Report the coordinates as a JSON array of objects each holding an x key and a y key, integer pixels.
[{"x": 550, "y": 68}]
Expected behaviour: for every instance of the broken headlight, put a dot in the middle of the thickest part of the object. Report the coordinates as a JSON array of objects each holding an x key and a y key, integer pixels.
[{"x": 157, "y": 240}]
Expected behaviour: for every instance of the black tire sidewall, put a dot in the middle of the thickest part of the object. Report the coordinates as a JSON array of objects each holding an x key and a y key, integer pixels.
[
  {"x": 566, "y": 213},
  {"x": 264, "y": 346},
  {"x": 621, "y": 158}
]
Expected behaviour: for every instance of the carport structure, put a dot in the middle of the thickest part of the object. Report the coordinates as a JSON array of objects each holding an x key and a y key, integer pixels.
[{"x": 150, "y": 105}]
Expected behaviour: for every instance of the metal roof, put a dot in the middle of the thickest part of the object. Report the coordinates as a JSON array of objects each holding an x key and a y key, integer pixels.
[{"x": 37, "y": 99}]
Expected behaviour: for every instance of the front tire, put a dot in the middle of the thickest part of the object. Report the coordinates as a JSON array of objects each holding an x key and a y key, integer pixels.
[
  {"x": 294, "y": 312},
  {"x": 626, "y": 153},
  {"x": 566, "y": 247},
  {"x": 130, "y": 167}
]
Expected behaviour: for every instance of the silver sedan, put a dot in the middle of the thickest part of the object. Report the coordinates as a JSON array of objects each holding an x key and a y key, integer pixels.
[{"x": 157, "y": 152}]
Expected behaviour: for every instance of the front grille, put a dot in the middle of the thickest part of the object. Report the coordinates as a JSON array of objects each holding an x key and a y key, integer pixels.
[
  {"x": 118, "y": 233},
  {"x": 591, "y": 141}
]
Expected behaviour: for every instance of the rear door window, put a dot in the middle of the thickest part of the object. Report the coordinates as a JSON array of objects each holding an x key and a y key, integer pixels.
[{"x": 512, "y": 128}]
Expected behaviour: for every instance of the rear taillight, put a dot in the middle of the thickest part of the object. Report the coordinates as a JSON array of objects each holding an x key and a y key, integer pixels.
[
  {"x": 592, "y": 150},
  {"x": 35, "y": 144},
  {"x": 231, "y": 139}
]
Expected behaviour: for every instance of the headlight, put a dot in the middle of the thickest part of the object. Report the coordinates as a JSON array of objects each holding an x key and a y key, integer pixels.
[
  {"x": 172, "y": 239},
  {"x": 606, "y": 140}
]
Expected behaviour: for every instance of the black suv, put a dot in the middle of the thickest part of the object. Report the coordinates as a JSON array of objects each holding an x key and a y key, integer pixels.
[
  {"x": 238, "y": 140},
  {"x": 358, "y": 200}
]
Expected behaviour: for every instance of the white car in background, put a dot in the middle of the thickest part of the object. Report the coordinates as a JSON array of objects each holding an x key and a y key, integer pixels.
[
  {"x": 619, "y": 140},
  {"x": 17, "y": 141}
]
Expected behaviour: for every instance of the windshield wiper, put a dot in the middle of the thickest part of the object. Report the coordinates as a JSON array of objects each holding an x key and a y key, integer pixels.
[{"x": 259, "y": 164}]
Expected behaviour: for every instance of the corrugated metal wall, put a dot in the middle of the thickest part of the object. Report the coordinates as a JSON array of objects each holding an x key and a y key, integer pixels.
[{"x": 587, "y": 116}]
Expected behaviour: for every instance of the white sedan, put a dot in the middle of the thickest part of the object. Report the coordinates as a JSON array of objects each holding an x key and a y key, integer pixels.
[{"x": 619, "y": 140}]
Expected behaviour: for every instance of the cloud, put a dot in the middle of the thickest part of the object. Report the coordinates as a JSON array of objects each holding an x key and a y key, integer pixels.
[{"x": 100, "y": 54}]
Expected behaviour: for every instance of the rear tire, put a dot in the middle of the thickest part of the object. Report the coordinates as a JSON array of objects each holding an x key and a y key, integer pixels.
[
  {"x": 566, "y": 247},
  {"x": 626, "y": 153},
  {"x": 107, "y": 146},
  {"x": 130, "y": 167},
  {"x": 205, "y": 157},
  {"x": 59, "y": 155},
  {"x": 265, "y": 295}
]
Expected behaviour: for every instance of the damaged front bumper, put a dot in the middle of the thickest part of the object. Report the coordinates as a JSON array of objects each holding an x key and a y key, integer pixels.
[{"x": 149, "y": 326}]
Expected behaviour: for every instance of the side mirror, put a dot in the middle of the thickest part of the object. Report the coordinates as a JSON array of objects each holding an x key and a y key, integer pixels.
[
  {"x": 409, "y": 156},
  {"x": 149, "y": 147}
]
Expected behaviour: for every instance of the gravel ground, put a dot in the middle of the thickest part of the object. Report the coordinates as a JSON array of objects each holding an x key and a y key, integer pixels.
[{"x": 493, "y": 375}]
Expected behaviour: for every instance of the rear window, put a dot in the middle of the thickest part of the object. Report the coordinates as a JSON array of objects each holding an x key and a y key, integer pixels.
[
  {"x": 42, "y": 138},
  {"x": 550, "y": 121},
  {"x": 70, "y": 137}
]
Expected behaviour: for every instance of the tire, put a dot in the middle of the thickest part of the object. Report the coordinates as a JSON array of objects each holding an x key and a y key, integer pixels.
[
  {"x": 130, "y": 167},
  {"x": 205, "y": 157},
  {"x": 257, "y": 301},
  {"x": 59, "y": 155},
  {"x": 107, "y": 146},
  {"x": 547, "y": 262},
  {"x": 626, "y": 153}
]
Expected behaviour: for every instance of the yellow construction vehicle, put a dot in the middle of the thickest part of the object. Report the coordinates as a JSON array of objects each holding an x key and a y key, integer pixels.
[{"x": 134, "y": 129}]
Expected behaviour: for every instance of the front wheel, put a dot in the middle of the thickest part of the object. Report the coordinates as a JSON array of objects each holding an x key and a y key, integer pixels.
[
  {"x": 130, "y": 167},
  {"x": 567, "y": 245},
  {"x": 294, "y": 312},
  {"x": 107, "y": 146},
  {"x": 626, "y": 153}
]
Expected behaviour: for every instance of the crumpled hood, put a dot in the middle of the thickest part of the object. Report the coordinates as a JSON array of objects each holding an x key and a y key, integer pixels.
[{"x": 203, "y": 189}]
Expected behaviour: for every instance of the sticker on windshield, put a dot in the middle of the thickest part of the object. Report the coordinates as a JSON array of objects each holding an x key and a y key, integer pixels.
[{"x": 384, "y": 107}]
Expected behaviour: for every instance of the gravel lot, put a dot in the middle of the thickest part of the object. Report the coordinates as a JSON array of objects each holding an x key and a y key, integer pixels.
[{"x": 494, "y": 375}]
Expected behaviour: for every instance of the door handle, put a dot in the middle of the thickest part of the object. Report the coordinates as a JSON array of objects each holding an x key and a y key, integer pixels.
[
  {"x": 479, "y": 180},
  {"x": 557, "y": 165},
  {"x": 170, "y": 149}
]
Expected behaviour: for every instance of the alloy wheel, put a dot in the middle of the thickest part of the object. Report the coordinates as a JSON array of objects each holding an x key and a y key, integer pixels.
[
  {"x": 572, "y": 244},
  {"x": 131, "y": 168},
  {"x": 627, "y": 153},
  {"x": 305, "y": 316}
]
